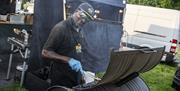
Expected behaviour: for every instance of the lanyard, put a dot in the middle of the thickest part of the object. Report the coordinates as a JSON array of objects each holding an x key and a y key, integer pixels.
[{"x": 78, "y": 40}]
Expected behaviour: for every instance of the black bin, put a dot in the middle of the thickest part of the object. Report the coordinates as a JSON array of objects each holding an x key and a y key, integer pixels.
[{"x": 176, "y": 80}]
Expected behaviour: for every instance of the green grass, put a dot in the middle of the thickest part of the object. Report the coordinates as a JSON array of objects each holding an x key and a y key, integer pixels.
[
  {"x": 13, "y": 87},
  {"x": 160, "y": 78}
]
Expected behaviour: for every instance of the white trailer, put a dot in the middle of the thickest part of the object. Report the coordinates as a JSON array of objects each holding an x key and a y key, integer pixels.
[{"x": 152, "y": 27}]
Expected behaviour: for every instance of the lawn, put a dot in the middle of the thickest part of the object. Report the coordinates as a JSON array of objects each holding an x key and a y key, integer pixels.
[
  {"x": 158, "y": 79},
  {"x": 13, "y": 87}
]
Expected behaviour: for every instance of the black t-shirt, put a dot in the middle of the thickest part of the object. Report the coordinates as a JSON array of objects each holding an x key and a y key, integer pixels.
[{"x": 63, "y": 39}]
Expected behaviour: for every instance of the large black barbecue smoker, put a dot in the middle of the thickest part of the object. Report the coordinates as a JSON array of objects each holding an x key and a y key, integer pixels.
[{"x": 102, "y": 52}]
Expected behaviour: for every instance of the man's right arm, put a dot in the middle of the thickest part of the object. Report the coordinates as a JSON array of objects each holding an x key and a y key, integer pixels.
[
  {"x": 73, "y": 63},
  {"x": 53, "y": 55}
]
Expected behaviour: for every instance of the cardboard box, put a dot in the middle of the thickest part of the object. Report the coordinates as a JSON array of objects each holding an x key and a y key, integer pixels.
[
  {"x": 17, "y": 19},
  {"x": 3, "y": 17}
]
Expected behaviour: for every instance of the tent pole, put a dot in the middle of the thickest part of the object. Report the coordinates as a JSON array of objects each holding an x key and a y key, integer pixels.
[{"x": 64, "y": 9}]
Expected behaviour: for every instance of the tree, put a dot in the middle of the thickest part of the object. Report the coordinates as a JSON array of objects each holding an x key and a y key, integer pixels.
[
  {"x": 165, "y": 3},
  {"x": 177, "y": 5},
  {"x": 157, "y": 3}
]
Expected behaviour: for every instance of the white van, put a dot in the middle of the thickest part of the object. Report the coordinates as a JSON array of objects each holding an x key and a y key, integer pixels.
[{"x": 152, "y": 27}]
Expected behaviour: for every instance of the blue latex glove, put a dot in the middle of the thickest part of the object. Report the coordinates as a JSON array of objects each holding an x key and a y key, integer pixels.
[{"x": 75, "y": 65}]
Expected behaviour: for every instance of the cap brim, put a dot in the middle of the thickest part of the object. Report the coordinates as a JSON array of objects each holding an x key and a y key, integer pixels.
[{"x": 88, "y": 15}]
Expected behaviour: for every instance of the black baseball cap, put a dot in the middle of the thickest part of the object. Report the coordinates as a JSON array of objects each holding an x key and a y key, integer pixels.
[{"x": 87, "y": 9}]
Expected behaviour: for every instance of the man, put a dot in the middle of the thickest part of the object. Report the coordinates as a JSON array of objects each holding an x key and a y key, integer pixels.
[{"x": 64, "y": 48}]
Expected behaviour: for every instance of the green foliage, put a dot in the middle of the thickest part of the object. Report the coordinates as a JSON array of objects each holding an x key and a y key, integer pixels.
[
  {"x": 165, "y": 3},
  {"x": 177, "y": 5},
  {"x": 172, "y": 4},
  {"x": 149, "y": 2}
]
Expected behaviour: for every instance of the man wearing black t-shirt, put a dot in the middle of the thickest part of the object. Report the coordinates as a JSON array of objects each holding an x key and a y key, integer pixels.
[{"x": 63, "y": 47}]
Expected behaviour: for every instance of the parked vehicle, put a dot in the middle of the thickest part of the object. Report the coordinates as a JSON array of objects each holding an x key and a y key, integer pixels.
[{"x": 152, "y": 27}]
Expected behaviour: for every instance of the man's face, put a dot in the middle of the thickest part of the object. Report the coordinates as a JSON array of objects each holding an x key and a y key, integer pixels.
[{"x": 82, "y": 19}]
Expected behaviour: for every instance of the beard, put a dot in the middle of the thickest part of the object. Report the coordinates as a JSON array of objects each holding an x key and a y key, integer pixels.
[{"x": 80, "y": 24}]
